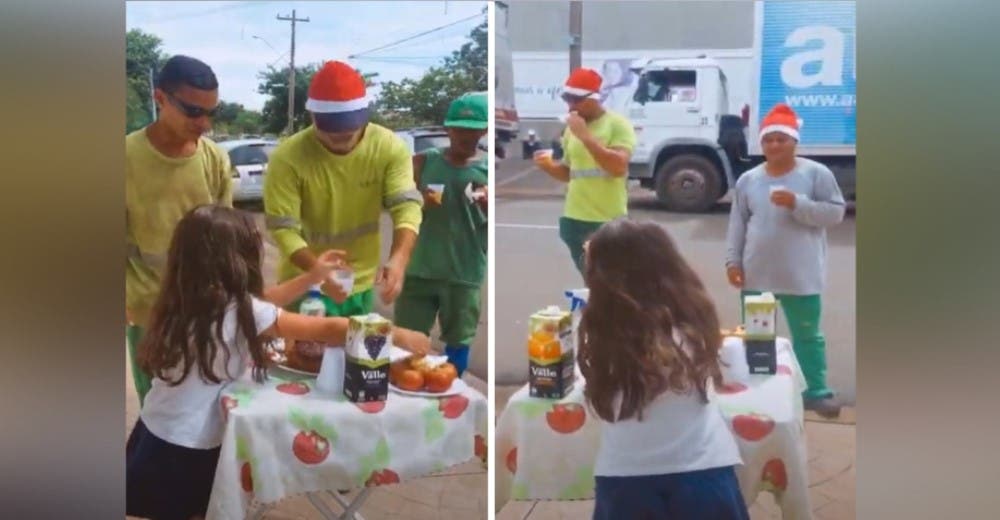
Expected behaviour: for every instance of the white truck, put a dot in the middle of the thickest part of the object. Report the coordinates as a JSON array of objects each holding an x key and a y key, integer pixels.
[
  {"x": 505, "y": 113},
  {"x": 691, "y": 147}
]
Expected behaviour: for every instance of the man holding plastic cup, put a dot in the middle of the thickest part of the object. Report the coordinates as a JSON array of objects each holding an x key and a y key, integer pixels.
[
  {"x": 777, "y": 243},
  {"x": 597, "y": 145},
  {"x": 443, "y": 282},
  {"x": 326, "y": 187}
]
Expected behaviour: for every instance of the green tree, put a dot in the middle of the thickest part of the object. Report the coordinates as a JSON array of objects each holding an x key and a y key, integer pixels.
[
  {"x": 425, "y": 101},
  {"x": 142, "y": 55}
]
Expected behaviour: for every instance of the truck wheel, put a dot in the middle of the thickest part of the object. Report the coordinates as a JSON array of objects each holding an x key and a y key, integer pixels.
[{"x": 688, "y": 184}]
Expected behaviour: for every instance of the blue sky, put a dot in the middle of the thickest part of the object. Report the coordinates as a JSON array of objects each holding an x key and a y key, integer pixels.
[{"x": 222, "y": 35}]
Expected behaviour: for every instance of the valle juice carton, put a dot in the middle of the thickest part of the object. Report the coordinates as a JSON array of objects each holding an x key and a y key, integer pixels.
[
  {"x": 550, "y": 354},
  {"x": 366, "y": 367},
  {"x": 760, "y": 313}
]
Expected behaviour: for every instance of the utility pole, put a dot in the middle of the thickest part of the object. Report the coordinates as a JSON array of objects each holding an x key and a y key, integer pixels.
[
  {"x": 291, "y": 72},
  {"x": 152, "y": 96},
  {"x": 575, "y": 35}
]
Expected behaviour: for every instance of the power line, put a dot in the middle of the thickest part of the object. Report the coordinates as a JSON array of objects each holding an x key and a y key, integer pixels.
[
  {"x": 206, "y": 12},
  {"x": 415, "y": 36}
]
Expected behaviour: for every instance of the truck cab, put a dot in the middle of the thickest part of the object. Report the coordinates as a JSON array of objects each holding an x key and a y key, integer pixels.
[{"x": 689, "y": 148}]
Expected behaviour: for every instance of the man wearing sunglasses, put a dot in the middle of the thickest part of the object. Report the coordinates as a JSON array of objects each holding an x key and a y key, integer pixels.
[
  {"x": 326, "y": 188},
  {"x": 170, "y": 168},
  {"x": 597, "y": 145}
]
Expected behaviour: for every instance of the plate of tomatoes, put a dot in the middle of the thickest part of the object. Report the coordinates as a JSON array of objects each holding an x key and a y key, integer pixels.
[{"x": 425, "y": 376}]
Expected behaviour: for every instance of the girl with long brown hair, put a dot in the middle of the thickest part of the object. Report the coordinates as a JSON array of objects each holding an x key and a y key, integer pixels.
[
  {"x": 209, "y": 326},
  {"x": 649, "y": 350}
]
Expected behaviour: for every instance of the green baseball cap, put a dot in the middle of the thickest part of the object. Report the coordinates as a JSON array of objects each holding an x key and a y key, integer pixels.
[{"x": 469, "y": 111}]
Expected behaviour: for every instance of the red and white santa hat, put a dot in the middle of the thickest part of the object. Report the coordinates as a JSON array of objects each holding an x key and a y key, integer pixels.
[
  {"x": 781, "y": 119},
  {"x": 337, "y": 98},
  {"x": 583, "y": 82}
]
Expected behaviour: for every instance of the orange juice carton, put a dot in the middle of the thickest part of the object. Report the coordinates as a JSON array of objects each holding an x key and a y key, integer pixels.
[{"x": 551, "y": 347}]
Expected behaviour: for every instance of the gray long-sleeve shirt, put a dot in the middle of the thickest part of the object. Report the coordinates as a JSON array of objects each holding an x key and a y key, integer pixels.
[{"x": 782, "y": 250}]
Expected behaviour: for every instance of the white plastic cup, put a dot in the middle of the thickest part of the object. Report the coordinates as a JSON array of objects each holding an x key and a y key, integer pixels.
[
  {"x": 777, "y": 187},
  {"x": 545, "y": 154},
  {"x": 344, "y": 278},
  {"x": 734, "y": 361},
  {"x": 331, "y": 372},
  {"x": 436, "y": 188}
]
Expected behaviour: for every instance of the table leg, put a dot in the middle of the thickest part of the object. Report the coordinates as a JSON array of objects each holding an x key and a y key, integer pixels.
[
  {"x": 321, "y": 507},
  {"x": 351, "y": 509}
]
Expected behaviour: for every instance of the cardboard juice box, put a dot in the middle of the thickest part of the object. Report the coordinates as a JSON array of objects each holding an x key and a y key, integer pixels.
[
  {"x": 760, "y": 313},
  {"x": 551, "y": 354},
  {"x": 366, "y": 367}
]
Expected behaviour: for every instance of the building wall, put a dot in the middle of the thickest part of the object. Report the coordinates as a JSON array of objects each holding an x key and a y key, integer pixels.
[
  {"x": 620, "y": 32},
  {"x": 612, "y": 26}
]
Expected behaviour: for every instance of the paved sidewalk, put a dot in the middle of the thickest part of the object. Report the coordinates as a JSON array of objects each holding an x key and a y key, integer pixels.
[
  {"x": 832, "y": 451},
  {"x": 459, "y": 493}
]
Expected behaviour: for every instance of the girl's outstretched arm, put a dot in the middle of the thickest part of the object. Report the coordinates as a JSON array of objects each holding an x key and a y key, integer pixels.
[{"x": 333, "y": 331}]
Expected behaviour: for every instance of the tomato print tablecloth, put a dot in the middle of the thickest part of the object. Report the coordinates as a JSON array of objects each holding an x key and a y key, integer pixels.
[
  {"x": 285, "y": 438},
  {"x": 545, "y": 449}
]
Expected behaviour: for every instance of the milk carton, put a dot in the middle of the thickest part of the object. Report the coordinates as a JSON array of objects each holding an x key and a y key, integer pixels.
[
  {"x": 366, "y": 370},
  {"x": 760, "y": 313},
  {"x": 551, "y": 349}
]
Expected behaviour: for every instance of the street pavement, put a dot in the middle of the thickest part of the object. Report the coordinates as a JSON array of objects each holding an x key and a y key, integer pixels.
[{"x": 533, "y": 268}]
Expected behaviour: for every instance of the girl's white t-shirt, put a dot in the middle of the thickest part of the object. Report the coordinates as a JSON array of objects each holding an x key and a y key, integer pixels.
[
  {"x": 189, "y": 414},
  {"x": 678, "y": 433}
]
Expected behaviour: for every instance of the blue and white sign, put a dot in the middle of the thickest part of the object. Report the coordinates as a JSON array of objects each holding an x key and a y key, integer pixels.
[{"x": 808, "y": 56}]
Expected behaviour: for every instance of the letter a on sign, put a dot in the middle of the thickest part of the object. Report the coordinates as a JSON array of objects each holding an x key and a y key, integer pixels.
[{"x": 830, "y": 57}]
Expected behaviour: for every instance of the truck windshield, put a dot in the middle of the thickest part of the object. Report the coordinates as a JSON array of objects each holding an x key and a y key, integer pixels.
[{"x": 671, "y": 86}]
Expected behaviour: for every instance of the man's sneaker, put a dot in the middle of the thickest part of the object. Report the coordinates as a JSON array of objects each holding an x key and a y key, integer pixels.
[{"x": 826, "y": 407}]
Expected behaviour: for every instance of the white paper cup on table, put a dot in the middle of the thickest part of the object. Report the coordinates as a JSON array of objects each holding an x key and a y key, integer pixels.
[
  {"x": 732, "y": 355},
  {"x": 331, "y": 372},
  {"x": 344, "y": 278}
]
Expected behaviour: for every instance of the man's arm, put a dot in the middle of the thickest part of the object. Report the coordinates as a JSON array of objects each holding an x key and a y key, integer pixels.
[
  {"x": 418, "y": 162},
  {"x": 613, "y": 156},
  {"x": 404, "y": 202},
  {"x": 827, "y": 209},
  {"x": 282, "y": 209},
  {"x": 739, "y": 215},
  {"x": 613, "y": 160},
  {"x": 557, "y": 170}
]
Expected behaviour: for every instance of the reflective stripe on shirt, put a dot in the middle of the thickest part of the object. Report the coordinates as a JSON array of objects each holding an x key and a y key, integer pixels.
[
  {"x": 329, "y": 239},
  {"x": 392, "y": 201},
  {"x": 275, "y": 222},
  {"x": 587, "y": 173}
]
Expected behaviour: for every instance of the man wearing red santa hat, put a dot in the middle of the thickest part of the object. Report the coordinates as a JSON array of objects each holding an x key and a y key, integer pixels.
[
  {"x": 597, "y": 144},
  {"x": 777, "y": 242}
]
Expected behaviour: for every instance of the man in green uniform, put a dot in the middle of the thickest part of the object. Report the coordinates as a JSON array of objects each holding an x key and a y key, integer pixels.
[
  {"x": 597, "y": 145},
  {"x": 449, "y": 263},
  {"x": 170, "y": 168}
]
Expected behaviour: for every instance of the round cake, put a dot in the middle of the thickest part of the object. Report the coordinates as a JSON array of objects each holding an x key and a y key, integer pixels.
[{"x": 305, "y": 355}]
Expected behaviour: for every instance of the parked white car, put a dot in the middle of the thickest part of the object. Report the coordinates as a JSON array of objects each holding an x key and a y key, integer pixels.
[
  {"x": 422, "y": 138},
  {"x": 249, "y": 160}
]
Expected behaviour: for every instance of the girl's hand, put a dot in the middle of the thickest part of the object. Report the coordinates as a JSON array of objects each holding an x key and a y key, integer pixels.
[
  {"x": 411, "y": 340},
  {"x": 327, "y": 262}
]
